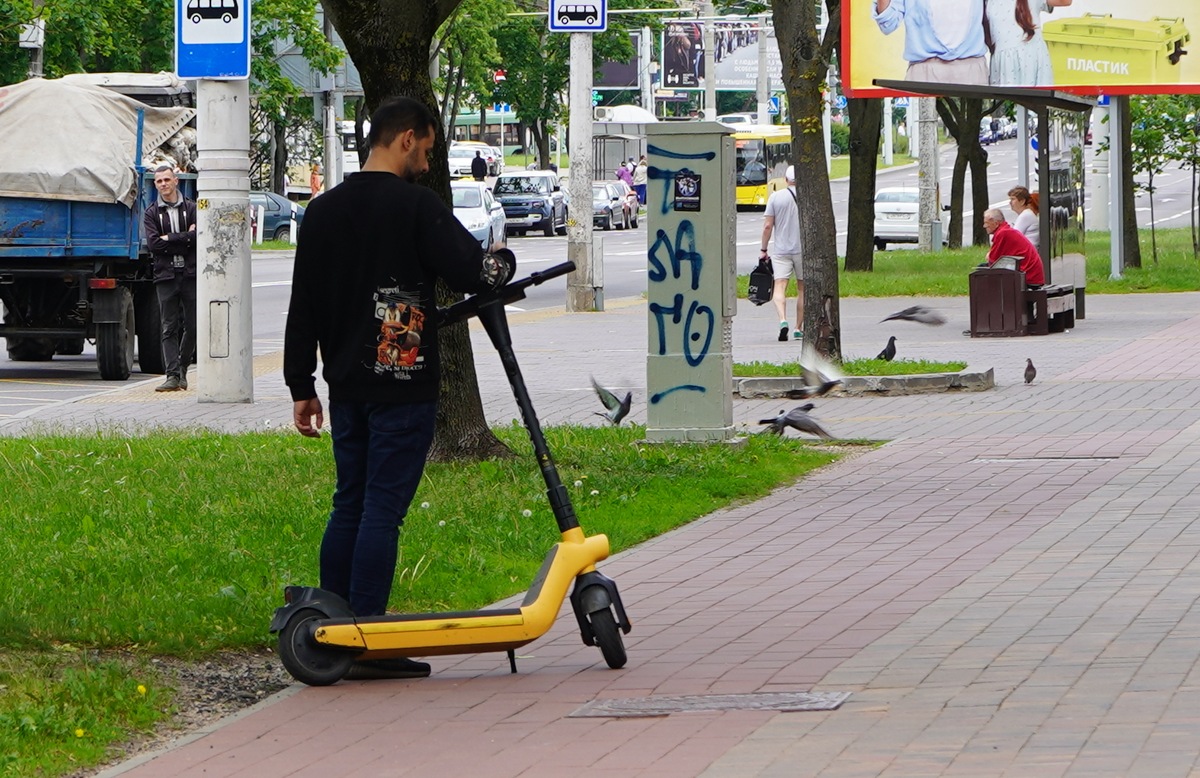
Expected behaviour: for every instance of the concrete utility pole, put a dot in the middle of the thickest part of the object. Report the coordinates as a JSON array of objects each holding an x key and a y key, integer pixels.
[
  {"x": 1098, "y": 177},
  {"x": 929, "y": 236},
  {"x": 763, "y": 83},
  {"x": 1116, "y": 189},
  {"x": 645, "y": 71},
  {"x": 1023, "y": 146},
  {"x": 333, "y": 146},
  {"x": 710, "y": 62},
  {"x": 225, "y": 351},
  {"x": 585, "y": 289}
]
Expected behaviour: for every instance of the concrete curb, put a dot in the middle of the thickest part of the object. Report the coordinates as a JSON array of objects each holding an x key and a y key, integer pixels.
[{"x": 876, "y": 386}]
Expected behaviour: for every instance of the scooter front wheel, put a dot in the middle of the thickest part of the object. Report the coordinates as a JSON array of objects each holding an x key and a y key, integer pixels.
[
  {"x": 608, "y": 638},
  {"x": 306, "y": 660}
]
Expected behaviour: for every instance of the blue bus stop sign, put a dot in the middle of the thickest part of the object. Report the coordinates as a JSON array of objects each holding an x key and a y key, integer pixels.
[
  {"x": 578, "y": 15},
  {"x": 212, "y": 39}
]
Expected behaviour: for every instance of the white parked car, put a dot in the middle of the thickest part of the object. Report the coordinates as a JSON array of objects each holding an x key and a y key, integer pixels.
[
  {"x": 478, "y": 211},
  {"x": 896, "y": 216},
  {"x": 460, "y": 161}
]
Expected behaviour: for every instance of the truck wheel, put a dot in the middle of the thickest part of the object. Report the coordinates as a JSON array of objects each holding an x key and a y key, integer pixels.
[
  {"x": 114, "y": 341},
  {"x": 30, "y": 349},
  {"x": 148, "y": 320}
]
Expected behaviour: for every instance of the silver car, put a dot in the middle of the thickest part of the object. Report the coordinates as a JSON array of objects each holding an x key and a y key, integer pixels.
[{"x": 478, "y": 211}]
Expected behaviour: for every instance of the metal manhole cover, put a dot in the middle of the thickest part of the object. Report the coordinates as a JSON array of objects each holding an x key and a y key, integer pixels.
[{"x": 688, "y": 703}]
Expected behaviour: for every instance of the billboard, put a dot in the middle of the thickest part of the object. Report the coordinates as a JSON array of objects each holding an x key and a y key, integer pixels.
[
  {"x": 735, "y": 54},
  {"x": 1088, "y": 47}
]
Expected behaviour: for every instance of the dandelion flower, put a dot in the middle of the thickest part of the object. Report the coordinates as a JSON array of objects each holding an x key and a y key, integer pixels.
[
  {"x": 442, "y": 523},
  {"x": 595, "y": 492},
  {"x": 141, "y": 689},
  {"x": 424, "y": 505},
  {"x": 79, "y": 733},
  {"x": 527, "y": 513},
  {"x": 578, "y": 483}
]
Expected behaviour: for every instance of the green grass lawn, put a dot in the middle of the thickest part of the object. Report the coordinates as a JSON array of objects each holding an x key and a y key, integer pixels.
[
  {"x": 904, "y": 273},
  {"x": 181, "y": 544},
  {"x": 854, "y": 367}
]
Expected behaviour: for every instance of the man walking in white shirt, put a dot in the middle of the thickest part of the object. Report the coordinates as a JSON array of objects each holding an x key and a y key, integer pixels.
[{"x": 783, "y": 220}]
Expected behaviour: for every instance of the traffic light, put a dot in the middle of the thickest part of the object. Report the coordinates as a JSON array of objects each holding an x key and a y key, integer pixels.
[{"x": 595, "y": 97}]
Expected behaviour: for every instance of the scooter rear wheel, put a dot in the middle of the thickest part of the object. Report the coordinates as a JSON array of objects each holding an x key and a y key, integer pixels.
[
  {"x": 608, "y": 638},
  {"x": 306, "y": 660}
]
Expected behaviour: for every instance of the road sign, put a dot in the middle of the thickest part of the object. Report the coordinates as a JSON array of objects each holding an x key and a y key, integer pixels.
[
  {"x": 212, "y": 39},
  {"x": 502, "y": 107},
  {"x": 839, "y": 102},
  {"x": 578, "y": 15},
  {"x": 900, "y": 102},
  {"x": 499, "y": 76},
  {"x": 773, "y": 106}
]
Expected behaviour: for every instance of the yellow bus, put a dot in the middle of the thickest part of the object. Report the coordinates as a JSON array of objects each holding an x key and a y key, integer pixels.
[{"x": 762, "y": 155}]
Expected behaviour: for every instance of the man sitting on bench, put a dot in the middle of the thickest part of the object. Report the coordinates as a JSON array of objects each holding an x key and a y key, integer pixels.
[{"x": 1008, "y": 242}]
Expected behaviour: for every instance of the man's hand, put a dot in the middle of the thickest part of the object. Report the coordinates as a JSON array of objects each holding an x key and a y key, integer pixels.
[{"x": 308, "y": 416}]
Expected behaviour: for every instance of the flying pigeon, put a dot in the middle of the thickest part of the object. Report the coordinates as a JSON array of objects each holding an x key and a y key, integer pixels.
[
  {"x": 918, "y": 313},
  {"x": 1030, "y": 371},
  {"x": 820, "y": 375},
  {"x": 617, "y": 409},
  {"x": 889, "y": 351},
  {"x": 798, "y": 419}
]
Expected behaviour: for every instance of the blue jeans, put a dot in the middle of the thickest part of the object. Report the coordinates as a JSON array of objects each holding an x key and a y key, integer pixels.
[{"x": 379, "y": 450}]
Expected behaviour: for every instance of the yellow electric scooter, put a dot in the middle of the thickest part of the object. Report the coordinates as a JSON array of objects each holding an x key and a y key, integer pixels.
[{"x": 319, "y": 636}]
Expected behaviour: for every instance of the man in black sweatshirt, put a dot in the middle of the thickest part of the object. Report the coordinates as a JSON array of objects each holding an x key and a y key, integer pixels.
[{"x": 368, "y": 254}]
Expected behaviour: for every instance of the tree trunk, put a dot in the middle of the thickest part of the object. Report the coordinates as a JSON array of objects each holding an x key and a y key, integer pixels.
[
  {"x": 390, "y": 45},
  {"x": 1132, "y": 249},
  {"x": 866, "y": 128},
  {"x": 962, "y": 117},
  {"x": 805, "y": 64}
]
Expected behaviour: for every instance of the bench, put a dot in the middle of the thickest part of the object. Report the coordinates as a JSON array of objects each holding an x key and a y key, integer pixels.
[
  {"x": 1003, "y": 307},
  {"x": 1050, "y": 309}
]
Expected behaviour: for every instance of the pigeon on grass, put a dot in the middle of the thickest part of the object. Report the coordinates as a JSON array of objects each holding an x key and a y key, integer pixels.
[
  {"x": 617, "y": 408},
  {"x": 889, "y": 351},
  {"x": 917, "y": 313},
  {"x": 798, "y": 419}
]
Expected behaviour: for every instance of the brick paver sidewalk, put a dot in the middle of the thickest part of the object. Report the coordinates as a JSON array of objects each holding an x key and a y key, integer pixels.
[{"x": 1009, "y": 587}]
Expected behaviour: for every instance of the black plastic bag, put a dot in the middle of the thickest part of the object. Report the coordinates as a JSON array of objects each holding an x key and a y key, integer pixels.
[{"x": 762, "y": 282}]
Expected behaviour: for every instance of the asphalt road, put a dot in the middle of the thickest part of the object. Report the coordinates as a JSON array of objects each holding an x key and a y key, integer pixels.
[{"x": 26, "y": 387}]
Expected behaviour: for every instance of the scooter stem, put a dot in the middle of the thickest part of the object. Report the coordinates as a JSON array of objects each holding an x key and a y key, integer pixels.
[{"x": 495, "y": 322}]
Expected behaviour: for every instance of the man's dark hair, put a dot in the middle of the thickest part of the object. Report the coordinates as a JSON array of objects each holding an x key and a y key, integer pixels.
[{"x": 396, "y": 116}]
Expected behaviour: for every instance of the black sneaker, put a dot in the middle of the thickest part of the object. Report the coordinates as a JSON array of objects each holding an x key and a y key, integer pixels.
[
  {"x": 375, "y": 669},
  {"x": 783, "y": 333}
]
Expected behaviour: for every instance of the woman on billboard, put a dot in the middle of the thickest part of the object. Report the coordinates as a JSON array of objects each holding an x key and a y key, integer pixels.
[
  {"x": 943, "y": 39},
  {"x": 1019, "y": 53}
]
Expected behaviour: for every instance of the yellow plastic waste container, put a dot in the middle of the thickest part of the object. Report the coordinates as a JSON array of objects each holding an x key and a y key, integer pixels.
[{"x": 1100, "y": 50}]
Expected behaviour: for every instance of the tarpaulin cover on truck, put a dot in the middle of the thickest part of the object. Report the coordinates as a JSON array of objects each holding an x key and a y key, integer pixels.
[{"x": 71, "y": 141}]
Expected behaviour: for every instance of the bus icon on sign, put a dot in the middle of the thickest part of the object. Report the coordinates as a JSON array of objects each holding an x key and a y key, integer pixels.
[
  {"x": 225, "y": 10},
  {"x": 577, "y": 13}
]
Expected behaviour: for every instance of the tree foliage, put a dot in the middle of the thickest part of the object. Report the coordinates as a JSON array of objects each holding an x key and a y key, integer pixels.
[
  {"x": 537, "y": 63},
  {"x": 467, "y": 44}
]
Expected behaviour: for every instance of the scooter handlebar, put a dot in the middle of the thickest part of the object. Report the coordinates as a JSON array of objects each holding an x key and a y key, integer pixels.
[{"x": 509, "y": 293}]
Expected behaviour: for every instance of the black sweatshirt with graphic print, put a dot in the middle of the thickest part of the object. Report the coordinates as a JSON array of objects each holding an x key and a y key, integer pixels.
[{"x": 368, "y": 254}]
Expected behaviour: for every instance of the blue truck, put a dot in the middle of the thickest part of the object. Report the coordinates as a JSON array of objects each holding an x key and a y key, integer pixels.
[
  {"x": 71, "y": 271},
  {"x": 74, "y": 267}
]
